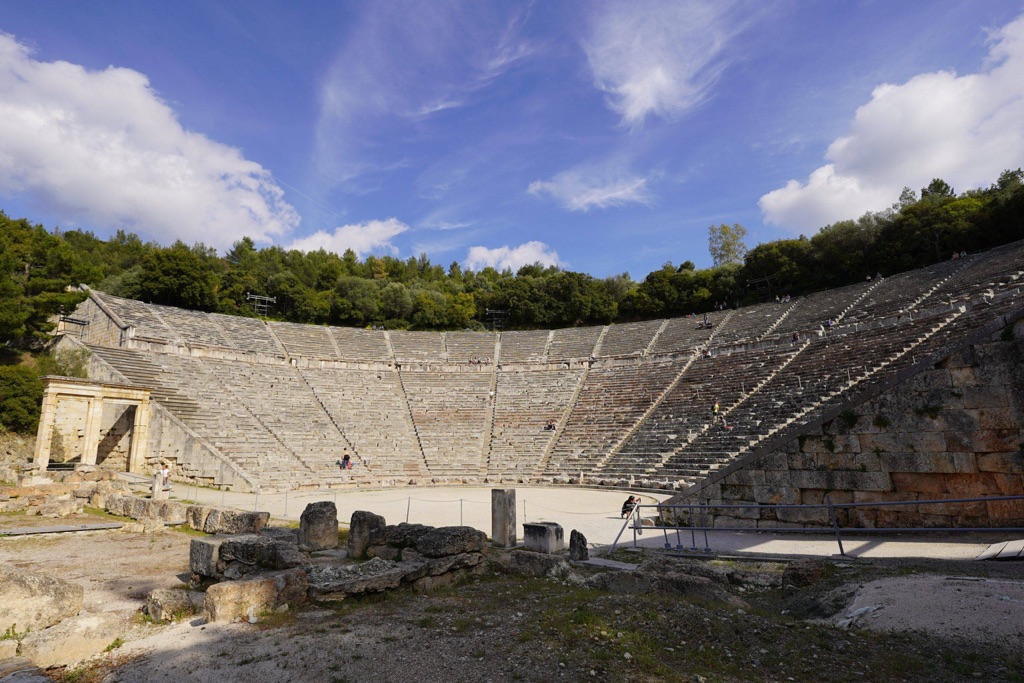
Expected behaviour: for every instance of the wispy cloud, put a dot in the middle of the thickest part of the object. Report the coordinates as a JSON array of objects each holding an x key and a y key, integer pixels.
[
  {"x": 362, "y": 238},
  {"x": 584, "y": 189},
  {"x": 101, "y": 147},
  {"x": 964, "y": 129},
  {"x": 513, "y": 258},
  {"x": 404, "y": 62},
  {"x": 659, "y": 58}
]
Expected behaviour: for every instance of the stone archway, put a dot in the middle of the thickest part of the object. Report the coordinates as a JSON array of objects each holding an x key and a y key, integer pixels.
[{"x": 76, "y": 407}]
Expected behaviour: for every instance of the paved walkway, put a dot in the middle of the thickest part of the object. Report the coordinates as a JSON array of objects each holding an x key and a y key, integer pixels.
[{"x": 595, "y": 513}]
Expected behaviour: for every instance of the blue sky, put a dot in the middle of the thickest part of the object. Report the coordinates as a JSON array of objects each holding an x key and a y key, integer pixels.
[{"x": 602, "y": 137}]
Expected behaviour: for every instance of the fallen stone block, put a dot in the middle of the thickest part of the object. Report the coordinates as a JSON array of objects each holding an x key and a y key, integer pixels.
[
  {"x": 32, "y": 602},
  {"x": 135, "y": 507},
  {"x": 195, "y": 516},
  {"x": 172, "y": 604},
  {"x": 58, "y": 508},
  {"x": 384, "y": 552},
  {"x": 449, "y": 563},
  {"x": 231, "y": 522},
  {"x": 248, "y": 549},
  {"x": 543, "y": 537},
  {"x": 72, "y": 640},
  {"x": 361, "y": 525},
  {"x": 334, "y": 582},
  {"x": 660, "y": 575},
  {"x": 578, "y": 550},
  {"x": 249, "y": 598},
  {"x": 116, "y": 504},
  {"x": 451, "y": 540},
  {"x": 167, "y": 511},
  {"x": 318, "y": 526},
  {"x": 430, "y": 583},
  {"x": 399, "y": 535},
  {"x": 204, "y": 556},
  {"x": 529, "y": 563}
]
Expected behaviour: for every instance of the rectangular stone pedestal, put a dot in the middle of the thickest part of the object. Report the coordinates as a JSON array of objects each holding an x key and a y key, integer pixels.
[
  {"x": 503, "y": 518},
  {"x": 543, "y": 537}
]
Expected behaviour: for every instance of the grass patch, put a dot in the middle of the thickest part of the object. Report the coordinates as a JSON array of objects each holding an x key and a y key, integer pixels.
[
  {"x": 881, "y": 421},
  {"x": 117, "y": 642},
  {"x": 12, "y": 633},
  {"x": 848, "y": 419},
  {"x": 928, "y": 410}
]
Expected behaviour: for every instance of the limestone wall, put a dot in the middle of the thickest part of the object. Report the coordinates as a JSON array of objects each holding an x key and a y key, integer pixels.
[
  {"x": 954, "y": 431},
  {"x": 101, "y": 330},
  {"x": 169, "y": 439}
]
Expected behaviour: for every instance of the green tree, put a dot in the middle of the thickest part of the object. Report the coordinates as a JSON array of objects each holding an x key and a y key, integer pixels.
[
  {"x": 179, "y": 276},
  {"x": 726, "y": 243}
]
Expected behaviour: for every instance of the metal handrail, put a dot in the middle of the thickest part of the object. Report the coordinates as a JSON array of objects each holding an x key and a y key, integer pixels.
[{"x": 834, "y": 527}]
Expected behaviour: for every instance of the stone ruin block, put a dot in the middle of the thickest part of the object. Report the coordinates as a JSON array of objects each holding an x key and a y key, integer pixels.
[
  {"x": 318, "y": 526},
  {"x": 503, "y": 518},
  {"x": 204, "y": 556},
  {"x": 451, "y": 540},
  {"x": 578, "y": 550},
  {"x": 231, "y": 522},
  {"x": 402, "y": 535},
  {"x": 249, "y": 598},
  {"x": 543, "y": 537},
  {"x": 168, "y": 604},
  {"x": 32, "y": 602},
  {"x": 195, "y": 516},
  {"x": 361, "y": 525},
  {"x": 237, "y": 555},
  {"x": 336, "y": 582}
]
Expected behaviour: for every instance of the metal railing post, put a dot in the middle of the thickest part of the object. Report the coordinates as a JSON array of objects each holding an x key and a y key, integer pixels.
[
  {"x": 693, "y": 530},
  {"x": 835, "y": 524}
]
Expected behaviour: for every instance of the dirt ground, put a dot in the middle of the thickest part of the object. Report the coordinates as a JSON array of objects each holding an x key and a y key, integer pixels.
[{"x": 862, "y": 621}]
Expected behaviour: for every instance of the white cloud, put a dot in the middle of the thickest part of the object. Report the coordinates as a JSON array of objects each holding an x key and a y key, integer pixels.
[
  {"x": 658, "y": 58},
  {"x": 403, "y": 63},
  {"x": 582, "y": 190},
  {"x": 512, "y": 257},
  {"x": 362, "y": 238},
  {"x": 101, "y": 148},
  {"x": 963, "y": 129}
]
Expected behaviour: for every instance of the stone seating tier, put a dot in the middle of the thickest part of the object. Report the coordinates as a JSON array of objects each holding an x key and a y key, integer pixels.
[
  {"x": 809, "y": 313},
  {"x": 629, "y": 339},
  {"x": 361, "y": 345},
  {"x": 418, "y": 347},
  {"x": 994, "y": 271},
  {"x": 611, "y": 401},
  {"x": 527, "y": 346},
  {"x": 642, "y": 416},
  {"x": 462, "y": 347},
  {"x": 680, "y": 335},
  {"x": 573, "y": 342},
  {"x": 524, "y": 403},
  {"x": 309, "y": 341}
]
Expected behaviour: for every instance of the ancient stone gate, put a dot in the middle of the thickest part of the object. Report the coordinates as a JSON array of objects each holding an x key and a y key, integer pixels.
[{"x": 90, "y": 420}]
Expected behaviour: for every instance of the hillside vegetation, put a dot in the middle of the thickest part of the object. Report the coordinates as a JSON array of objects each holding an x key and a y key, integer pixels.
[{"x": 39, "y": 269}]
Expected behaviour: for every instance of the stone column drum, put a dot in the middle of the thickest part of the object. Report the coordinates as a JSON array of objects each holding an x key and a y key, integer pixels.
[{"x": 503, "y": 518}]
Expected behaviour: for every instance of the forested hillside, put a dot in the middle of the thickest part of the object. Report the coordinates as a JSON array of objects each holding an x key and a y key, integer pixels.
[
  {"x": 37, "y": 266},
  {"x": 40, "y": 267}
]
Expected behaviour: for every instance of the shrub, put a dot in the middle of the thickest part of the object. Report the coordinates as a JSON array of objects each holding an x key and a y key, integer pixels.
[{"x": 21, "y": 394}]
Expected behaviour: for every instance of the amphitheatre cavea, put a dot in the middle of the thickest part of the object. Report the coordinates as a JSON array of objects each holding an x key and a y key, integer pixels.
[{"x": 876, "y": 391}]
